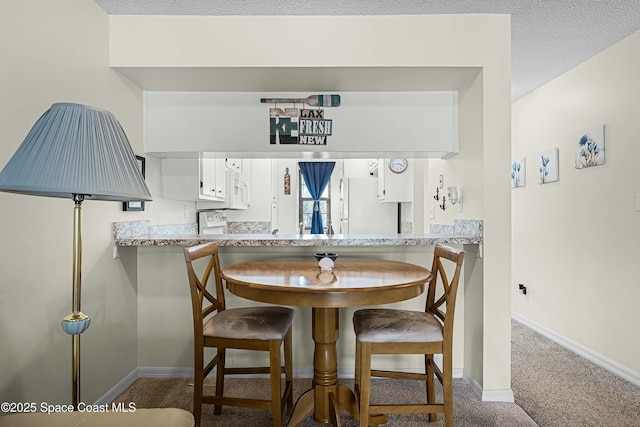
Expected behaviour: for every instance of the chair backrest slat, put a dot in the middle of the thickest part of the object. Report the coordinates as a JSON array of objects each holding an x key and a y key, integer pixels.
[
  {"x": 448, "y": 288},
  {"x": 204, "y": 302}
]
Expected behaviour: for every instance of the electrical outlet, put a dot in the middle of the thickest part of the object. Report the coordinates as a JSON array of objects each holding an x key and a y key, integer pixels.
[
  {"x": 522, "y": 289},
  {"x": 432, "y": 212}
]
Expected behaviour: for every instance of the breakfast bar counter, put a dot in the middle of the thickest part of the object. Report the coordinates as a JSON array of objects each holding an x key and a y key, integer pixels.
[
  {"x": 152, "y": 258},
  {"x": 243, "y": 240},
  {"x": 140, "y": 233}
]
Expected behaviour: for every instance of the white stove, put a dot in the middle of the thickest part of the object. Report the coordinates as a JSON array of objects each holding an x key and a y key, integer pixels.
[{"x": 211, "y": 222}]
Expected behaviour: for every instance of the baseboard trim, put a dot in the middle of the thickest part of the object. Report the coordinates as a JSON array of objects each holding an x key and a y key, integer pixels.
[
  {"x": 502, "y": 395},
  {"x": 164, "y": 372},
  {"x": 477, "y": 388},
  {"x": 585, "y": 352},
  {"x": 143, "y": 372},
  {"x": 174, "y": 372},
  {"x": 117, "y": 389}
]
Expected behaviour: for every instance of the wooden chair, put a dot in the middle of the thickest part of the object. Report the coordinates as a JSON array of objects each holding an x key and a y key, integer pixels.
[
  {"x": 250, "y": 328},
  {"x": 389, "y": 331}
]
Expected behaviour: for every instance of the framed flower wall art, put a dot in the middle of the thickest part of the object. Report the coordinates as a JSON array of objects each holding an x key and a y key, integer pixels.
[
  {"x": 136, "y": 206},
  {"x": 590, "y": 147},
  {"x": 518, "y": 177},
  {"x": 548, "y": 166}
]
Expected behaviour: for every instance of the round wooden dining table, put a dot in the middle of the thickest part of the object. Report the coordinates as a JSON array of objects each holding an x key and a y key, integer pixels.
[{"x": 351, "y": 283}]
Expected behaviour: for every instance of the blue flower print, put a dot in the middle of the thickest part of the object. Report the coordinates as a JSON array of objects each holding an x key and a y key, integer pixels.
[
  {"x": 515, "y": 174},
  {"x": 543, "y": 168},
  {"x": 588, "y": 152}
]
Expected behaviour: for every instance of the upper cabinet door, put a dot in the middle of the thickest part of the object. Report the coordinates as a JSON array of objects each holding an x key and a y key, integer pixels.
[
  {"x": 207, "y": 178},
  {"x": 220, "y": 173},
  {"x": 234, "y": 165}
]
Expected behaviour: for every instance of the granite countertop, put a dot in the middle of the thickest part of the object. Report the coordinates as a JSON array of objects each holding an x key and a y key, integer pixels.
[{"x": 140, "y": 233}]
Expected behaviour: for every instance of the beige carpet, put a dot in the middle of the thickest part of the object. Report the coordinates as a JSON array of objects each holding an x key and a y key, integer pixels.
[
  {"x": 558, "y": 388},
  {"x": 553, "y": 387},
  {"x": 469, "y": 410}
]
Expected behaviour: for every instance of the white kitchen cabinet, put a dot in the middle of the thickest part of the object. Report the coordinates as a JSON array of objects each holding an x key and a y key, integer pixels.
[
  {"x": 234, "y": 165},
  {"x": 213, "y": 178},
  {"x": 194, "y": 179},
  {"x": 219, "y": 185},
  {"x": 394, "y": 186},
  {"x": 207, "y": 177}
]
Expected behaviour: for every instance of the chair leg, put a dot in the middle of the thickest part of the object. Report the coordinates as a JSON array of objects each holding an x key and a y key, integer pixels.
[
  {"x": 198, "y": 385},
  {"x": 365, "y": 383},
  {"x": 288, "y": 369},
  {"x": 217, "y": 409},
  {"x": 275, "y": 367},
  {"x": 447, "y": 389},
  {"x": 356, "y": 377},
  {"x": 431, "y": 393}
]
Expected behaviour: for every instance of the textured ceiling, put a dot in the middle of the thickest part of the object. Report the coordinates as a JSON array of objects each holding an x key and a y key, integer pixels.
[{"x": 548, "y": 37}]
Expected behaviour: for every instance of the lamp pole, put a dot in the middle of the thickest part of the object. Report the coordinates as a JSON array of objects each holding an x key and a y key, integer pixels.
[{"x": 77, "y": 322}]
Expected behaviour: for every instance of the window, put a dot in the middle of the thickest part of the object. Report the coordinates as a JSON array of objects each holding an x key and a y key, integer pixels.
[{"x": 305, "y": 204}]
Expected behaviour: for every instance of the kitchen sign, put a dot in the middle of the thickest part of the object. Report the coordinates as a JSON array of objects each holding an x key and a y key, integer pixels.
[
  {"x": 301, "y": 126},
  {"x": 307, "y": 127},
  {"x": 313, "y": 128}
]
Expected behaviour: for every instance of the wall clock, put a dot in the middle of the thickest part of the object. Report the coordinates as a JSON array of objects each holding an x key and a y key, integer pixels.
[{"x": 398, "y": 165}]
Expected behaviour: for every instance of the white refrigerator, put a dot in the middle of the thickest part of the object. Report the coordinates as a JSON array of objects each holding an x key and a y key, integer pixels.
[{"x": 360, "y": 210}]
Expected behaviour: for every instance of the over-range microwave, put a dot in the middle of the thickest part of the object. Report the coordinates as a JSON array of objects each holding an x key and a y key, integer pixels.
[{"x": 237, "y": 192}]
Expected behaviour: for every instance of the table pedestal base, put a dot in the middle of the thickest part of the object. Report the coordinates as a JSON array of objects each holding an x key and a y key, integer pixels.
[
  {"x": 317, "y": 401},
  {"x": 346, "y": 401}
]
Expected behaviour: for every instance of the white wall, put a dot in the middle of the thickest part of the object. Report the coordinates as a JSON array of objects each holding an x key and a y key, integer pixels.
[
  {"x": 52, "y": 52},
  {"x": 462, "y": 170},
  {"x": 287, "y": 204},
  {"x": 162, "y": 211},
  {"x": 575, "y": 242},
  {"x": 466, "y": 171}
]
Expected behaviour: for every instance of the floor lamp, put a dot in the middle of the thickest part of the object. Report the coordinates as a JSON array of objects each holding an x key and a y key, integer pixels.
[{"x": 78, "y": 152}]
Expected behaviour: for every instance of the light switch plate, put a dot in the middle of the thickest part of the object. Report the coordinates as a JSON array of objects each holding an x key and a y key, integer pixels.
[{"x": 638, "y": 202}]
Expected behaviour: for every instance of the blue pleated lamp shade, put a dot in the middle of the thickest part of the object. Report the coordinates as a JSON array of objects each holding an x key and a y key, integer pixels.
[{"x": 76, "y": 149}]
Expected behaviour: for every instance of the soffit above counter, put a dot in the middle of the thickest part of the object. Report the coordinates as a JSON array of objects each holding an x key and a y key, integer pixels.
[
  {"x": 299, "y": 79},
  {"x": 365, "y": 125}
]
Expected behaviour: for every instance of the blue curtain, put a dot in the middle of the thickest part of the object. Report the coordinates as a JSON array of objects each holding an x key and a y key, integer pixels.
[{"x": 316, "y": 177}]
